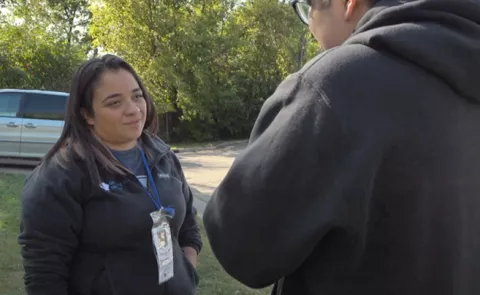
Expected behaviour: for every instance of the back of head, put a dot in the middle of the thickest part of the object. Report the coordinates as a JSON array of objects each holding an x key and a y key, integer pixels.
[
  {"x": 440, "y": 36},
  {"x": 332, "y": 21},
  {"x": 77, "y": 142}
]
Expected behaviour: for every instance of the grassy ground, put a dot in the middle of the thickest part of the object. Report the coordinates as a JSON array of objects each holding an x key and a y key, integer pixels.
[
  {"x": 213, "y": 280},
  {"x": 10, "y": 263}
]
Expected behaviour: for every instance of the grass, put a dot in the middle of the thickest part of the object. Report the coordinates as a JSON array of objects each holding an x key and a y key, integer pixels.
[
  {"x": 11, "y": 270},
  {"x": 213, "y": 279}
]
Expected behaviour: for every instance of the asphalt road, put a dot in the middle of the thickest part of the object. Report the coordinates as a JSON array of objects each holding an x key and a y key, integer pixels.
[{"x": 204, "y": 170}]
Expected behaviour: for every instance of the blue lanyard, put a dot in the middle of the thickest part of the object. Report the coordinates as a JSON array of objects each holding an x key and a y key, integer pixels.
[
  {"x": 156, "y": 198},
  {"x": 151, "y": 181}
]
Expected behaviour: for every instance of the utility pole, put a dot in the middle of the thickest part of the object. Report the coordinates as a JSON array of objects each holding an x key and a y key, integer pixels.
[{"x": 303, "y": 45}]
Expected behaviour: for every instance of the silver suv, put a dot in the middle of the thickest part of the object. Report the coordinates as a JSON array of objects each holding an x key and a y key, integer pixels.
[{"x": 31, "y": 121}]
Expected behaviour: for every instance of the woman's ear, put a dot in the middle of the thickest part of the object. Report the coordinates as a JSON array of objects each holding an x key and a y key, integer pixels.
[{"x": 87, "y": 117}]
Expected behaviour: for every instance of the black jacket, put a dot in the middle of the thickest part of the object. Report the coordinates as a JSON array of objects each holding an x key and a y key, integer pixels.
[
  {"x": 83, "y": 239},
  {"x": 362, "y": 171}
]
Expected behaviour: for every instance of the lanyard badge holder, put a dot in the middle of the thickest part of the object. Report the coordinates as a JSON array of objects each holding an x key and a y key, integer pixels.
[
  {"x": 161, "y": 233},
  {"x": 162, "y": 242}
]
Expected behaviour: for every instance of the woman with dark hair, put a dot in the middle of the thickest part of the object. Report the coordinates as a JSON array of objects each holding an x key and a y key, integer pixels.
[{"x": 109, "y": 211}]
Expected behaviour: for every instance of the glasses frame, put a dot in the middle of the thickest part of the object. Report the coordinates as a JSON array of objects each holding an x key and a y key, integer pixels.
[{"x": 296, "y": 4}]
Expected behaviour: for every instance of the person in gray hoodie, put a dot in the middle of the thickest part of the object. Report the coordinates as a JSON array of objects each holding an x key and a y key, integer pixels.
[{"x": 361, "y": 175}]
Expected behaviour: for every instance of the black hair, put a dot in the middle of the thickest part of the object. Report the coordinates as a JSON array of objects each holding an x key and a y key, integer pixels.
[{"x": 77, "y": 140}]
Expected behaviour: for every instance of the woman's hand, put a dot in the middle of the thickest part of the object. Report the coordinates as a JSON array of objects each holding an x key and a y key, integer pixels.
[{"x": 191, "y": 255}]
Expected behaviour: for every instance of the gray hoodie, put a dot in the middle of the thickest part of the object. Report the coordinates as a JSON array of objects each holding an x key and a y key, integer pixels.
[{"x": 362, "y": 171}]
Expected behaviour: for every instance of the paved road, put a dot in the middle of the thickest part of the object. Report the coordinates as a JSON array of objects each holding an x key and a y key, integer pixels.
[
  {"x": 16, "y": 166},
  {"x": 204, "y": 170}
]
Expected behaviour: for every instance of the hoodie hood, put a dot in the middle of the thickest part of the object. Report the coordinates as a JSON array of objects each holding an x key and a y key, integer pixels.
[{"x": 440, "y": 36}]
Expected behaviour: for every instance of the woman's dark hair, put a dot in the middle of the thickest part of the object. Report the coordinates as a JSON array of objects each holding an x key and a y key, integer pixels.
[{"x": 77, "y": 141}]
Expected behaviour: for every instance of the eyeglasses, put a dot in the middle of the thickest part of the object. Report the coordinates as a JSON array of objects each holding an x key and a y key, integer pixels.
[{"x": 302, "y": 8}]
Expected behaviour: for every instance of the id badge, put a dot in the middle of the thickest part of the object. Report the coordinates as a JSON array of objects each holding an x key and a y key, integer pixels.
[{"x": 162, "y": 242}]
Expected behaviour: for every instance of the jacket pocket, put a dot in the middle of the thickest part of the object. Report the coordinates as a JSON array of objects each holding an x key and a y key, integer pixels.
[
  {"x": 101, "y": 284},
  {"x": 86, "y": 273},
  {"x": 193, "y": 270},
  {"x": 185, "y": 279}
]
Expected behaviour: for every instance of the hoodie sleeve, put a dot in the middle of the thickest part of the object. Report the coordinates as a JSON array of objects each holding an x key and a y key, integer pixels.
[
  {"x": 189, "y": 235},
  {"x": 51, "y": 221},
  {"x": 286, "y": 190}
]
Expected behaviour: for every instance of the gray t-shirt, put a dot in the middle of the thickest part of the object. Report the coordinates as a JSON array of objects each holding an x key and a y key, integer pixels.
[{"x": 132, "y": 159}]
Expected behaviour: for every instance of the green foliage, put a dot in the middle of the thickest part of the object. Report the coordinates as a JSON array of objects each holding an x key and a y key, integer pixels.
[
  {"x": 209, "y": 64},
  {"x": 37, "y": 50},
  {"x": 41, "y": 63},
  {"x": 214, "y": 62}
]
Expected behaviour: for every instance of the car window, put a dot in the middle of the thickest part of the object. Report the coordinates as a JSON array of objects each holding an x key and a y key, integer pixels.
[
  {"x": 9, "y": 103},
  {"x": 44, "y": 106}
]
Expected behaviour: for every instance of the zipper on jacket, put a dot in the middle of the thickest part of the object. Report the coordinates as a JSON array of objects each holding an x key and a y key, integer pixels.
[
  {"x": 280, "y": 287},
  {"x": 165, "y": 288}
]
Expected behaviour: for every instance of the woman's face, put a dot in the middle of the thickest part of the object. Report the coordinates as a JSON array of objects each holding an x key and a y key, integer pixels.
[{"x": 119, "y": 110}]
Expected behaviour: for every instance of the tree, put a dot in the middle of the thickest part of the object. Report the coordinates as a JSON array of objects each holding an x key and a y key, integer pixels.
[
  {"x": 74, "y": 17},
  {"x": 42, "y": 42},
  {"x": 211, "y": 62},
  {"x": 34, "y": 59},
  {"x": 65, "y": 20}
]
